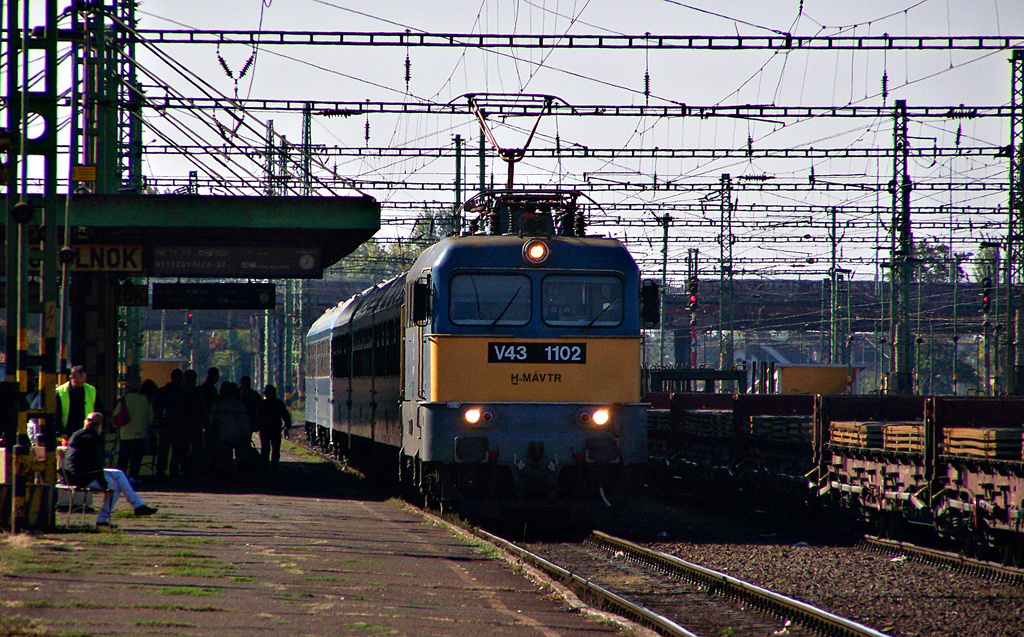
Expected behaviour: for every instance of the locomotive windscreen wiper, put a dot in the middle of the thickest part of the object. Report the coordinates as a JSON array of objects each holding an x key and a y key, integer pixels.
[
  {"x": 607, "y": 306},
  {"x": 476, "y": 295},
  {"x": 507, "y": 305}
]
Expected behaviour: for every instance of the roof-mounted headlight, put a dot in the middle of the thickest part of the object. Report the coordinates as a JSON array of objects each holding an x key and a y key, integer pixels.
[{"x": 536, "y": 251}]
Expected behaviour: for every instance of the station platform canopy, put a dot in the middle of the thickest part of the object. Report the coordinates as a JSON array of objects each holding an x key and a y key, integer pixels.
[{"x": 253, "y": 237}]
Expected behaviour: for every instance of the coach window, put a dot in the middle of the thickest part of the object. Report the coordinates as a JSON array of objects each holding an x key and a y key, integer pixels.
[
  {"x": 490, "y": 299},
  {"x": 581, "y": 301}
]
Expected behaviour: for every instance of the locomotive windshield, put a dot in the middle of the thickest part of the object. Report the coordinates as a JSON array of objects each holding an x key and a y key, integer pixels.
[
  {"x": 581, "y": 300},
  {"x": 490, "y": 299}
]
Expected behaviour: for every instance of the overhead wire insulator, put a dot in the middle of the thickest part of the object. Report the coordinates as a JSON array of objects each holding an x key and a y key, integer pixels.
[
  {"x": 885, "y": 85},
  {"x": 224, "y": 63},
  {"x": 247, "y": 65},
  {"x": 337, "y": 112},
  {"x": 408, "y": 72},
  {"x": 647, "y": 71},
  {"x": 750, "y": 146},
  {"x": 959, "y": 130},
  {"x": 580, "y": 224},
  {"x": 366, "y": 134}
]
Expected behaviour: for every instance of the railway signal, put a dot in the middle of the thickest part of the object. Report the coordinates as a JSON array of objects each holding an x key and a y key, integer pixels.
[
  {"x": 691, "y": 290},
  {"x": 986, "y": 295}
]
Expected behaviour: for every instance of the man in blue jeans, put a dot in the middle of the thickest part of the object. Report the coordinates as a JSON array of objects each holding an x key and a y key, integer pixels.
[{"x": 84, "y": 465}]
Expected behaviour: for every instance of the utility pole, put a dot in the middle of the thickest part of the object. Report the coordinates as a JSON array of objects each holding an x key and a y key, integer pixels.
[
  {"x": 725, "y": 289},
  {"x": 993, "y": 271},
  {"x": 835, "y": 327},
  {"x": 31, "y": 314},
  {"x": 456, "y": 219},
  {"x": 824, "y": 308},
  {"x": 1015, "y": 238},
  {"x": 665, "y": 220},
  {"x": 902, "y": 255},
  {"x": 268, "y": 154},
  {"x": 955, "y": 276},
  {"x": 692, "y": 270},
  {"x": 307, "y": 149},
  {"x": 131, "y": 117},
  {"x": 483, "y": 161}
]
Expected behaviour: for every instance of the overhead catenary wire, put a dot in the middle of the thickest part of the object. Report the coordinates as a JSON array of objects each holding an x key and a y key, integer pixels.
[{"x": 708, "y": 169}]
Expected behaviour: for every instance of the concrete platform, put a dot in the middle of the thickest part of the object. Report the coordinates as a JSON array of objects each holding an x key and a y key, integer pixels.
[{"x": 310, "y": 552}]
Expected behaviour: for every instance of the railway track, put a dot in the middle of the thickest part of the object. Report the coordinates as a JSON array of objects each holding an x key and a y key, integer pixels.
[
  {"x": 894, "y": 591},
  {"x": 953, "y": 561},
  {"x": 674, "y": 597}
]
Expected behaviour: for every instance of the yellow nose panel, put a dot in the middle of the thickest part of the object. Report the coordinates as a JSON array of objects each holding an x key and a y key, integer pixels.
[{"x": 502, "y": 369}]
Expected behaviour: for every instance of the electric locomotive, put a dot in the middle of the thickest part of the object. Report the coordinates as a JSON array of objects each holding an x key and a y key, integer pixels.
[{"x": 502, "y": 372}]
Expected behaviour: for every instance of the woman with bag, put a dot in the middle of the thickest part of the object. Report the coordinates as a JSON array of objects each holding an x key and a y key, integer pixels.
[{"x": 133, "y": 416}]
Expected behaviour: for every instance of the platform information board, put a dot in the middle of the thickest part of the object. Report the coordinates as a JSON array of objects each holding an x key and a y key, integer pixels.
[
  {"x": 236, "y": 261},
  {"x": 214, "y": 296}
]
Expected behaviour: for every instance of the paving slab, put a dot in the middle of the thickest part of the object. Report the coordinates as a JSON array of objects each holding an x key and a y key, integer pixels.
[{"x": 309, "y": 551}]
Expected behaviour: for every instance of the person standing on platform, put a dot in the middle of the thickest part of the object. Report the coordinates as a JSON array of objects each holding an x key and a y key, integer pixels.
[
  {"x": 230, "y": 423},
  {"x": 150, "y": 390},
  {"x": 273, "y": 415},
  {"x": 133, "y": 416},
  {"x": 196, "y": 412},
  {"x": 77, "y": 398},
  {"x": 208, "y": 390},
  {"x": 251, "y": 399},
  {"x": 289, "y": 398},
  {"x": 209, "y": 387},
  {"x": 172, "y": 435},
  {"x": 84, "y": 465}
]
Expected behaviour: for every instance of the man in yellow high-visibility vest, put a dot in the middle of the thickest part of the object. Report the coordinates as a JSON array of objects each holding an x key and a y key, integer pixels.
[{"x": 77, "y": 398}]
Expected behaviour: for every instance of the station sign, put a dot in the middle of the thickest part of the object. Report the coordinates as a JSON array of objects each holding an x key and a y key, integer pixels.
[
  {"x": 214, "y": 296},
  {"x": 107, "y": 258}
]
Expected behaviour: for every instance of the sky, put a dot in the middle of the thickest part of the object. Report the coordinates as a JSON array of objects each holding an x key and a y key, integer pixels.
[{"x": 770, "y": 240}]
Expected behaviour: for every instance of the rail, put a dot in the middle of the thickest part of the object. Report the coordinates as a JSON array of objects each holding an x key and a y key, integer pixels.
[
  {"x": 588, "y": 590},
  {"x": 955, "y": 561},
  {"x": 800, "y": 612}
]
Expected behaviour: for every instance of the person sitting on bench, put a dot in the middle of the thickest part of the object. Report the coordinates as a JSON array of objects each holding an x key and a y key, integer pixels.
[{"x": 84, "y": 466}]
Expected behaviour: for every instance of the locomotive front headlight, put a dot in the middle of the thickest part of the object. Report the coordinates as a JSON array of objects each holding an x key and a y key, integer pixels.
[
  {"x": 536, "y": 251},
  {"x": 594, "y": 417},
  {"x": 477, "y": 416}
]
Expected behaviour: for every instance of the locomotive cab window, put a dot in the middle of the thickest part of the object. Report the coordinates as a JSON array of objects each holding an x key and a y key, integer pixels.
[
  {"x": 490, "y": 299},
  {"x": 581, "y": 301}
]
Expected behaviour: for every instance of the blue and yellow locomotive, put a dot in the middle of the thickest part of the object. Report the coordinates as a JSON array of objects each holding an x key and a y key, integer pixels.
[{"x": 501, "y": 372}]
